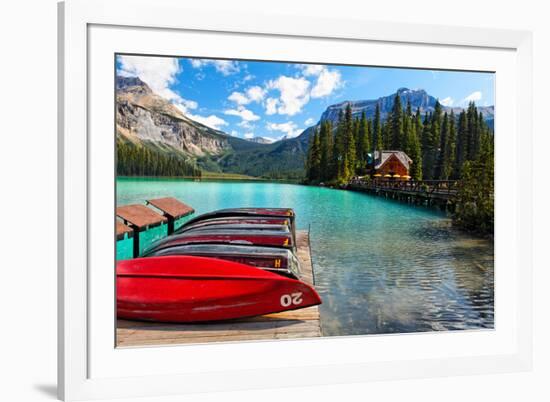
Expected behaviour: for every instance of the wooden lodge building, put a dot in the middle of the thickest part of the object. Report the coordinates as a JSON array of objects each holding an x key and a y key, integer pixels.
[{"x": 390, "y": 165}]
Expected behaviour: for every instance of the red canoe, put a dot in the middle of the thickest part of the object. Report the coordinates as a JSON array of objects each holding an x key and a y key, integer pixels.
[
  {"x": 249, "y": 213},
  {"x": 242, "y": 237},
  {"x": 193, "y": 289},
  {"x": 278, "y": 260},
  {"x": 243, "y": 220}
]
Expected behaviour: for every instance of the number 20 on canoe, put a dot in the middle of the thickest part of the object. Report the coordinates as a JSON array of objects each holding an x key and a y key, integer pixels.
[{"x": 197, "y": 289}]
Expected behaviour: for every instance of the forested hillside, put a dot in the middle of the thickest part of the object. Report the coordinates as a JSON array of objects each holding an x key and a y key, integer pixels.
[{"x": 438, "y": 142}]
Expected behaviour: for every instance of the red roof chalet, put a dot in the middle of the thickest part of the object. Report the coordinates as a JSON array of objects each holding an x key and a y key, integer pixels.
[{"x": 391, "y": 163}]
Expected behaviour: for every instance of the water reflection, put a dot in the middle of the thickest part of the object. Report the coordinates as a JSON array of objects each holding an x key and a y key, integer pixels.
[
  {"x": 380, "y": 266},
  {"x": 426, "y": 277}
]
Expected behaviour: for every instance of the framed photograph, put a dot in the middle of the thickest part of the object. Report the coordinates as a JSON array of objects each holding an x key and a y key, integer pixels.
[{"x": 251, "y": 200}]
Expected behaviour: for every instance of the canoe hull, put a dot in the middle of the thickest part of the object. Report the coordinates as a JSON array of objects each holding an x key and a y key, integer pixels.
[
  {"x": 243, "y": 220},
  {"x": 237, "y": 237},
  {"x": 287, "y": 213},
  {"x": 198, "y": 289},
  {"x": 277, "y": 260}
]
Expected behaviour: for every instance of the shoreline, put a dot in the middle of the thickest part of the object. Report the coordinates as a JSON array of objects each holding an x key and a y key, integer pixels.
[{"x": 214, "y": 178}]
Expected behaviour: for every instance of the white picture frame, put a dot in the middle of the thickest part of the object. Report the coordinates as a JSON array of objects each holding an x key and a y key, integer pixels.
[{"x": 90, "y": 366}]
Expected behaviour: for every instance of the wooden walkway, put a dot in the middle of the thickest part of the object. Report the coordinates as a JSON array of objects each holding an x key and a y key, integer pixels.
[
  {"x": 304, "y": 323},
  {"x": 430, "y": 192}
]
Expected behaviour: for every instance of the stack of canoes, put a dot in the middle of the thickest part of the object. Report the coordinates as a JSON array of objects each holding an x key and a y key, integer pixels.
[{"x": 227, "y": 264}]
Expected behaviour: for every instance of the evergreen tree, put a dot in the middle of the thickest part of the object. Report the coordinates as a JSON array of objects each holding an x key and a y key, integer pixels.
[
  {"x": 349, "y": 145},
  {"x": 441, "y": 157},
  {"x": 363, "y": 143},
  {"x": 137, "y": 160},
  {"x": 461, "y": 144},
  {"x": 475, "y": 199},
  {"x": 473, "y": 131},
  {"x": 450, "y": 149},
  {"x": 407, "y": 125},
  {"x": 396, "y": 124},
  {"x": 316, "y": 158},
  {"x": 326, "y": 142},
  {"x": 427, "y": 153},
  {"x": 434, "y": 142},
  {"x": 378, "y": 141},
  {"x": 387, "y": 134},
  {"x": 339, "y": 148},
  {"x": 416, "y": 147}
]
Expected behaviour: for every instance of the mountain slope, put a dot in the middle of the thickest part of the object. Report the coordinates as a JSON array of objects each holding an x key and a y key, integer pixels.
[
  {"x": 146, "y": 119},
  {"x": 418, "y": 98}
]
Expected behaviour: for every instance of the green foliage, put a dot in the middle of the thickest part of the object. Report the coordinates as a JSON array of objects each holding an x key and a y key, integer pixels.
[
  {"x": 350, "y": 151},
  {"x": 280, "y": 161},
  {"x": 313, "y": 165},
  {"x": 378, "y": 141},
  {"x": 326, "y": 146},
  {"x": 363, "y": 143},
  {"x": 396, "y": 124},
  {"x": 413, "y": 147},
  {"x": 441, "y": 146},
  {"x": 442, "y": 154},
  {"x": 137, "y": 160},
  {"x": 475, "y": 200}
]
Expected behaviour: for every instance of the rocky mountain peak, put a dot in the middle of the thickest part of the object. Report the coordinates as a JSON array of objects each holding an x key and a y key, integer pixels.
[{"x": 132, "y": 84}]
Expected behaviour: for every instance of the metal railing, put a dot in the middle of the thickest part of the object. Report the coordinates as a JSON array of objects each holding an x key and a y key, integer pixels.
[{"x": 427, "y": 187}]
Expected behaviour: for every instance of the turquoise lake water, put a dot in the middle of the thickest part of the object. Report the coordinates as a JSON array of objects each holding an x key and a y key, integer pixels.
[{"x": 380, "y": 266}]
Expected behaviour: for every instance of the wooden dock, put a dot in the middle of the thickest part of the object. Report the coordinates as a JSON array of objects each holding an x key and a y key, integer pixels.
[
  {"x": 440, "y": 193},
  {"x": 304, "y": 323},
  {"x": 137, "y": 218}
]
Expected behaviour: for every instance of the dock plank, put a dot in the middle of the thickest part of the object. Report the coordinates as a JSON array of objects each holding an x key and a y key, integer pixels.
[
  {"x": 122, "y": 229},
  {"x": 139, "y": 216},
  {"x": 172, "y": 207},
  {"x": 303, "y": 323}
]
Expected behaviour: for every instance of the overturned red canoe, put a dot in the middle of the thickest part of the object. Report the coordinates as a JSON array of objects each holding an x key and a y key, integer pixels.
[
  {"x": 240, "y": 237},
  {"x": 241, "y": 220},
  {"x": 278, "y": 260},
  {"x": 193, "y": 289},
  {"x": 287, "y": 213}
]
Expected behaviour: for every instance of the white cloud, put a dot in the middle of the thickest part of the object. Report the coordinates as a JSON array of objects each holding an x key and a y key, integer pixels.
[
  {"x": 157, "y": 72},
  {"x": 248, "y": 135},
  {"x": 473, "y": 97},
  {"x": 309, "y": 121},
  {"x": 246, "y": 125},
  {"x": 239, "y": 98},
  {"x": 211, "y": 121},
  {"x": 311, "y": 69},
  {"x": 294, "y": 94},
  {"x": 271, "y": 106},
  {"x": 289, "y": 128},
  {"x": 225, "y": 67},
  {"x": 255, "y": 93},
  {"x": 448, "y": 101},
  {"x": 327, "y": 82},
  {"x": 234, "y": 133},
  {"x": 243, "y": 113},
  {"x": 185, "y": 105}
]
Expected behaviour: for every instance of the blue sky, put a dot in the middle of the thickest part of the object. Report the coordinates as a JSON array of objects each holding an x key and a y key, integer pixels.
[{"x": 271, "y": 99}]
